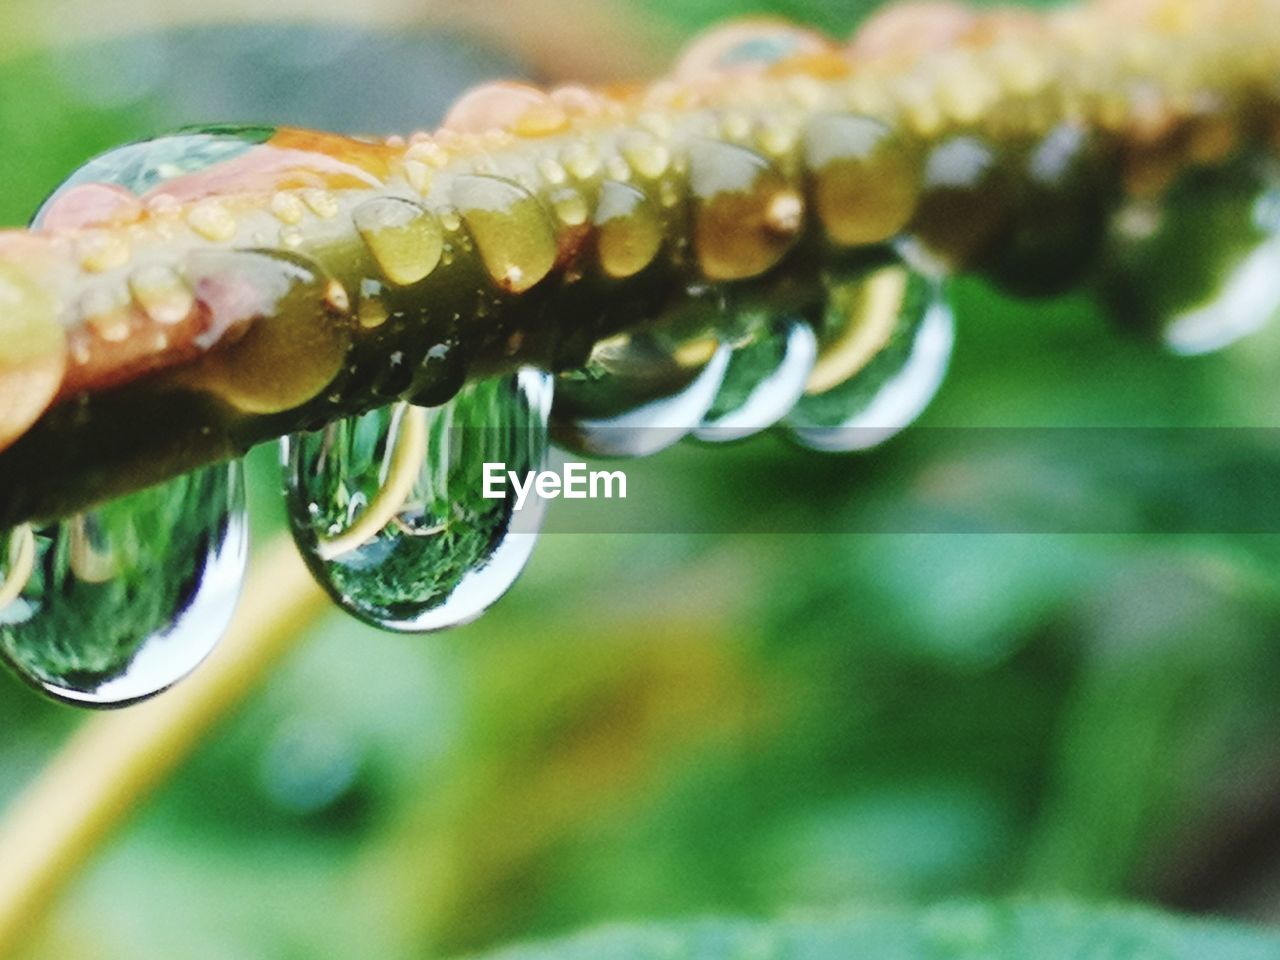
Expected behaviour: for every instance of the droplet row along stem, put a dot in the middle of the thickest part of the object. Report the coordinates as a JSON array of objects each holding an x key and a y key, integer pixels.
[{"x": 360, "y": 272}]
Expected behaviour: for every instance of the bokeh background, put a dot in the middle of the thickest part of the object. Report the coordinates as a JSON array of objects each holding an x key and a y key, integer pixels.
[{"x": 670, "y": 724}]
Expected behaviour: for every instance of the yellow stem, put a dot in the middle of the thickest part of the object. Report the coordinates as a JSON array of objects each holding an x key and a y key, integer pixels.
[
  {"x": 408, "y": 454},
  {"x": 22, "y": 560},
  {"x": 110, "y": 765},
  {"x": 867, "y": 331}
]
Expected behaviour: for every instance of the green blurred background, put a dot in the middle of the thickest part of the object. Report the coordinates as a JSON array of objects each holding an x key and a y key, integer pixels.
[{"x": 656, "y": 726}]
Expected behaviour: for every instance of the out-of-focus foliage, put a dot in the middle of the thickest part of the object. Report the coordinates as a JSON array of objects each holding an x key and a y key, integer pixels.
[
  {"x": 657, "y": 726},
  {"x": 953, "y": 932}
]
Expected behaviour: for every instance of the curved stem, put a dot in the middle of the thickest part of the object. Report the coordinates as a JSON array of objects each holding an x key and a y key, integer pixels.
[
  {"x": 22, "y": 561},
  {"x": 409, "y": 453},
  {"x": 109, "y": 766}
]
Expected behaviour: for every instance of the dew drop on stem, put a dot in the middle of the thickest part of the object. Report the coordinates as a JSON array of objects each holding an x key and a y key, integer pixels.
[{"x": 388, "y": 508}]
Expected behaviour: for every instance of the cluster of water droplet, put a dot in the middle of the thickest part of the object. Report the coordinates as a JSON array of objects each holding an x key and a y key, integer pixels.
[
  {"x": 387, "y": 506},
  {"x": 111, "y": 606}
]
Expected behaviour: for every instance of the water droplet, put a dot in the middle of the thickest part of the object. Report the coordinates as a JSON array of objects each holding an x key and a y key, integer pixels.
[
  {"x": 646, "y": 154},
  {"x": 578, "y": 101},
  {"x": 106, "y": 312},
  {"x": 618, "y": 169},
  {"x": 582, "y": 159},
  {"x": 629, "y": 233},
  {"x": 1059, "y": 215},
  {"x": 163, "y": 295},
  {"x": 91, "y": 205},
  {"x": 570, "y": 206},
  {"x": 33, "y": 352},
  {"x": 271, "y": 341},
  {"x": 964, "y": 205},
  {"x": 749, "y": 43},
  {"x": 737, "y": 231},
  {"x": 321, "y": 202},
  {"x": 638, "y": 394},
  {"x": 765, "y": 379},
  {"x": 884, "y": 353},
  {"x": 102, "y": 250},
  {"x": 371, "y": 309},
  {"x": 511, "y": 228},
  {"x": 388, "y": 508},
  {"x": 735, "y": 126},
  {"x": 140, "y": 167},
  {"x": 1197, "y": 266},
  {"x": 406, "y": 240},
  {"x": 212, "y": 220},
  {"x": 866, "y": 180},
  {"x": 419, "y": 177},
  {"x": 287, "y": 208},
  {"x": 429, "y": 152},
  {"x": 109, "y": 607},
  {"x": 518, "y": 107},
  {"x": 336, "y": 297}
]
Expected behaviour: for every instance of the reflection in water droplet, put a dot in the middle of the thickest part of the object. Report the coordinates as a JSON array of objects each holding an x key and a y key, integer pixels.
[
  {"x": 765, "y": 379},
  {"x": 389, "y": 511},
  {"x": 638, "y": 394},
  {"x": 1249, "y": 296},
  {"x": 112, "y": 606},
  {"x": 142, "y": 166},
  {"x": 1198, "y": 267},
  {"x": 890, "y": 377}
]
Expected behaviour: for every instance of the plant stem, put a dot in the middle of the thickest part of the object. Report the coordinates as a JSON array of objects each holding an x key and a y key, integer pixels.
[{"x": 108, "y": 767}]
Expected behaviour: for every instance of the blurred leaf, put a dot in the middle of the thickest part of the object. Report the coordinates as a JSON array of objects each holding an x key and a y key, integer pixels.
[{"x": 952, "y": 932}]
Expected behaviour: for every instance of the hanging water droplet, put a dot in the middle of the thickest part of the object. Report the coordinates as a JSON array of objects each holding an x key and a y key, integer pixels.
[
  {"x": 389, "y": 510},
  {"x": 963, "y": 205},
  {"x": 1058, "y": 217},
  {"x": 140, "y": 167},
  {"x": 1197, "y": 267},
  {"x": 765, "y": 379},
  {"x": 885, "y": 351},
  {"x": 639, "y": 393},
  {"x": 114, "y": 605}
]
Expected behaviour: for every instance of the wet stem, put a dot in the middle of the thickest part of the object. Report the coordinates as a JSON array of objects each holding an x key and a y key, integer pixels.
[{"x": 115, "y": 760}]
